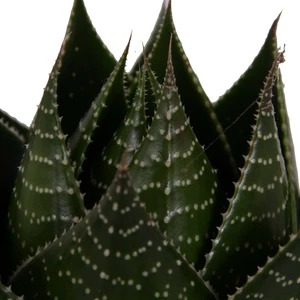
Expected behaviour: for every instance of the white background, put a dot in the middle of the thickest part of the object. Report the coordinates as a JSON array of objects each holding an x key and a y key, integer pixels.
[{"x": 221, "y": 38}]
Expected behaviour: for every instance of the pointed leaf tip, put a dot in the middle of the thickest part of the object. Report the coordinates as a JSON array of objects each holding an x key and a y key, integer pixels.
[
  {"x": 143, "y": 265},
  {"x": 253, "y": 227},
  {"x": 86, "y": 65},
  {"x": 170, "y": 80},
  {"x": 270, "y": 80},
  {"x": 247, "y": 87},
  {"x": 46, "y": 198},
  {"x": 130, "y": 37},
  {"x": 167, "y": 3},
  {"x": 126, "y": 138},
  {"x": 169, "y": 177},
  {"x": 99, "y": 126},
  {"x": 192, "y": 94},
  {"x": 278, "y": 17}
]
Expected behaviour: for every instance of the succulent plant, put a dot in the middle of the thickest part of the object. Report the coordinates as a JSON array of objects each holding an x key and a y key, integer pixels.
[{"x": 133, "y": 185}]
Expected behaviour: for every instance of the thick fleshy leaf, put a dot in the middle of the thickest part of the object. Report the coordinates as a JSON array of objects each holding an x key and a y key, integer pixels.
[
  {"x": 193, "y": 96},
  {"x": 257, "y": 220},
  {"x": 17, "y": 128},
  {"x": 172, "y": 173},
  {"x": 128, "y": 137},
  {"x": 7, "y": 294},
  {"x": 116, "y": 251},
  {"x": 236, "y": 108},
  {"x": 98, "y": 125},
  {"x": 46, "y": 198},
  {"x": 287, "y": 148},
  {"x": 278, "y": 279},
  {"x": 130, "y": 85},
  {"x": 150, "y": 99},
  {"x": 86, "y": 65},
  {"x": 13, "y": 136},
  {"x": 155, "y": 34}
]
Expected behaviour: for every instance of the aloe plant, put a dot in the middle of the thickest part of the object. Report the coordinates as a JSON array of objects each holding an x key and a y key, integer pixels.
[{"x": 134, "y": 185}]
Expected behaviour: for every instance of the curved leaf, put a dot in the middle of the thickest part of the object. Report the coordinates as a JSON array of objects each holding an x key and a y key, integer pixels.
[
  {"x": 207, "y": 127},
  {"x": 172, "y": 174},
  {"x": 287, "y": 148},
  {"x": 13, "y": 136},
  {"x": 116, "y": 251},
  {"x": 86, "y": 65},
  {"x": 17, "y": 128},
  {"x": 257, "y": 220},
  {"x": 128, "y": 137},
  {"x": 236, "y": 108},
  {"x": 98, "y": 125},
  {"x": 46, "y": 198},
  {"x": 278, "y": 279},
  {"x": 156, "y": 32}
]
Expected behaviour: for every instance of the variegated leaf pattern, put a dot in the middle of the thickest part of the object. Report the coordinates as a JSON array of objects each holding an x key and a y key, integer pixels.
[
  {"x": 193, "y": 97},
  {"x": 155, "y": 35},
  {"x": 46, "y": 198},
  {"x": 105, "y": 115},
  {"x": 173, "y": 175},
  {"x": 257, "y": 220},
  {"x": 278, "y": 278},
  {"x": 168, "y": 216},
  {"x": 128, "y": 137},
  {"x": 116, "y": 251},
  {"x": 243, "y": 96},
  {"x": 86, "y": 65},
  {"x": 17, "y": 128},
  {"x": 84, "y": 132}
]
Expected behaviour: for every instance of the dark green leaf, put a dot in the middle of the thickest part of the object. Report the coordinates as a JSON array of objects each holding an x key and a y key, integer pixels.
[
  {"x": 236, "y": 108},
  {"x": 128, "y": 136},
  {"x": 17, "y": 128},
  {"x": 257, "y": 220},
  {"x": 193, "y": 96},
  {"x": 13, "y": 136},
  {"x": 278, "y": 279},
  {"x": 86, "y": 65},
  {"x": 156, "y": 32},
  {"x": 115, "y": 252},
  {"x": 172, "y": 173},
  {"x": 98, "y": 125},
  {"x": 46, "y": 198},
  {"x": 287, "y": 148},
  {"x": 150, "y": 99},
  {"x": 7, "y": 294}
]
